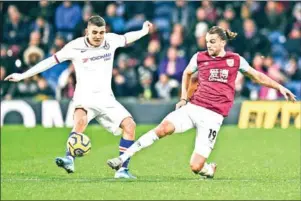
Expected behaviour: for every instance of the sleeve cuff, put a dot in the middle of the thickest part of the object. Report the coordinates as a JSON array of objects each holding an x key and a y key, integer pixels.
[
  {"x": 56, "y": 59},
  {"x": 125, "y": 41}
]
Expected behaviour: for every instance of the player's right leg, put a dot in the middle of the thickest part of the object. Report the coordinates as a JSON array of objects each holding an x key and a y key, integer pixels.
[
  {"x": 81, "y": 121},
  {"x": 176, "y": 122}
]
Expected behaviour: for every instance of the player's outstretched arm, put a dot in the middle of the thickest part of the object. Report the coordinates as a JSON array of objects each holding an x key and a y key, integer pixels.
[
  {"x": 185, "y": 84},
  {"x": 264, "y": 80},
  {"x": 40, "y": 67},
  {"x": 191, "y": 68},
  {"x": 136, "y": 35}
]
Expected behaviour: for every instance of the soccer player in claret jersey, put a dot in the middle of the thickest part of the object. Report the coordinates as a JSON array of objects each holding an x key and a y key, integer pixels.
[
  {"x": 210, "y": 103},
  {"x": 92, "y": 57}
]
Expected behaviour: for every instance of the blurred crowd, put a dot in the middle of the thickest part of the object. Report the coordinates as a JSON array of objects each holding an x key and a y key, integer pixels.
[{"x": 269, "y": 37}]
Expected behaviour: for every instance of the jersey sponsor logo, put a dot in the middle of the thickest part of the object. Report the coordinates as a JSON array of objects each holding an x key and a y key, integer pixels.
[
  {"x": 105, "y": 57},
  {"x": 230, "y": 62},
  {"x": 219, "y": 75}
]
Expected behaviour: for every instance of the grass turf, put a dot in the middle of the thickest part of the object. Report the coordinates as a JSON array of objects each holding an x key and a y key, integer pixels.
[{"x": 252, "y": 164}]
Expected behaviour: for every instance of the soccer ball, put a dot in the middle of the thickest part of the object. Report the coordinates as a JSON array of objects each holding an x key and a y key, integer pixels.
[{"x": 78, "y": 144}]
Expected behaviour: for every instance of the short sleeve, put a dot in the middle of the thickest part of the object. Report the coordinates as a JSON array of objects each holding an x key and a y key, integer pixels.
[
  {"x": 244, "y": 65},
  {"x": 66, "y": 53},
  {"x": 117, "y": 40},
  {"x": 193, "y": 65}
]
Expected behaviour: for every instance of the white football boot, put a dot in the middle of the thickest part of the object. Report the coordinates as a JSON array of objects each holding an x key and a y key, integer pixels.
[{"x": 208, "y": 171}]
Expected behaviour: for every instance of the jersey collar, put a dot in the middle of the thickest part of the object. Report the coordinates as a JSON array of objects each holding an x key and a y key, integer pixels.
[
  {"x": 217, "y": 56},
  {"x": 91, "y": 46}
]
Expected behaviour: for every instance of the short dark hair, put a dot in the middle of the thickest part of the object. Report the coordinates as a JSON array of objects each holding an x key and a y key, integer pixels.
[
  {"x": 222, "y": 33},
  {"x": 96, "y": 20}
]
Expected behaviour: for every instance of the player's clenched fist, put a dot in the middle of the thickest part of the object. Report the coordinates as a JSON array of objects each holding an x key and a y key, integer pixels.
[
  {"x": 15, "y": 77},
  {"x": 147, "y": 26}
]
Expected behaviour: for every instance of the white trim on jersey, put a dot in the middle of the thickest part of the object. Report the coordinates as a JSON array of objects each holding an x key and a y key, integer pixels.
[
  {"x": 193, "y": 64},
  {"x": 87, "y": 42},
  {"x": 244, "y": 65}
]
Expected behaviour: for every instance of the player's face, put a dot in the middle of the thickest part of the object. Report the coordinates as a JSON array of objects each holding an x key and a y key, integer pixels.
[
  {"x": 95, "y": 34},
  {"x": 214, "y": 44}
]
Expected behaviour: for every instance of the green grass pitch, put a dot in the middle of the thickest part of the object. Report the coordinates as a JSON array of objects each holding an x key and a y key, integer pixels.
[{"x": 252, "y": 164}]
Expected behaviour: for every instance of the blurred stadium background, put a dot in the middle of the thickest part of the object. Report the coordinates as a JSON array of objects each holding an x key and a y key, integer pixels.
[
  {"x": 149, "y": 70},
  {"x": 147, "y": 79},
  {"x": 269, "y": 38}
]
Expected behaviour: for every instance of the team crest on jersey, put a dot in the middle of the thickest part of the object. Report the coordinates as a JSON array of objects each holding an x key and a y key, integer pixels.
[
  {"x": 230, "y": 62},
  {"x": 106, "y": 46}
]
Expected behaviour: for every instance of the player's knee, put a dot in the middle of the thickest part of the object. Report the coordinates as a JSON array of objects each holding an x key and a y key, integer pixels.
[
  {"x": 197, "y": 162},
  {"x": 168, "y": 128},
  {"x": 196, "y": 167},
  {"x": 165, "y": 128}
]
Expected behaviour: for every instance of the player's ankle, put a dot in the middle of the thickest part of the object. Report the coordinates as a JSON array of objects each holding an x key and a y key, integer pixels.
[{"x": 70, "y": 157}]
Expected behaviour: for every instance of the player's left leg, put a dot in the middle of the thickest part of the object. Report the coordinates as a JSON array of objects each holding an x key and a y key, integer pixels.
[
  {"x": 128, "y": 127},
  {"x": 199, "y": 166},
  {"x": 208, "y": 125},
  {"x": 115, "y": 118}
]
